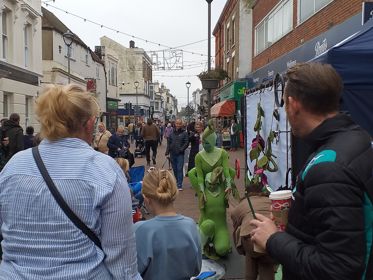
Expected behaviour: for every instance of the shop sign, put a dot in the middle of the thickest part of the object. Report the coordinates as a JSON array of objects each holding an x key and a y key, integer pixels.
[
  {"x": 321, "y": 47},
  {"x": 112, "y": 105}
]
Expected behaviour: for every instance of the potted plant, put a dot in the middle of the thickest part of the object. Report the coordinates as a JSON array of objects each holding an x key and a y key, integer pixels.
[{"x": 210, "y": 79}]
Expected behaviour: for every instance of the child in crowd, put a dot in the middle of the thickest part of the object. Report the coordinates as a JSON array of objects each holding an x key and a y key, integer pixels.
[
  {"x": 168, "y": 246},
  {"x": 124, "y": 164}
]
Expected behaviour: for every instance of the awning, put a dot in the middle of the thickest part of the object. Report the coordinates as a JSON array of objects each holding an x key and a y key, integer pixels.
[{"x": 226, "y": 108}]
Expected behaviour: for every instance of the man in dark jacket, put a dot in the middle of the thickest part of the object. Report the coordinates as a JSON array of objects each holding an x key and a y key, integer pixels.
[
  {"x": 176, "y": 146},
  {"x": 14, "y": 132},
  {"x": 326, "y": 236}
]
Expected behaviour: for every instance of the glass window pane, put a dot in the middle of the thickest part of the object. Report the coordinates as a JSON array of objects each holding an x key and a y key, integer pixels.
[
  {"x": 306, "y": 9},
  {"x": 270, "y": 32},
  {"x": 288, "y": 17},
  {"x": 4, "y": 22},
  {"x": 260, "y": 38},
  {"x": 320, "y": 4}
]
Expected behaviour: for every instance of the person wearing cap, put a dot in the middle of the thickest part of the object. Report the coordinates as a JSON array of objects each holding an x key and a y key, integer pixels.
[{"x": 330, "y": 222}]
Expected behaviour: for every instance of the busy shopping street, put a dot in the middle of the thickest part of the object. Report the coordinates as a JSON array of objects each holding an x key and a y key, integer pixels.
[{"x": 186, "y": 140}]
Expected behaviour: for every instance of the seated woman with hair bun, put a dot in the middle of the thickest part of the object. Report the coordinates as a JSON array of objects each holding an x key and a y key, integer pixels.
[{"x": 168, "y": 245}]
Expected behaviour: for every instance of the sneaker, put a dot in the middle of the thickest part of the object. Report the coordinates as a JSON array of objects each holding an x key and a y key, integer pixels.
[
  {"x": 154, "y": 162},
  {"x": 180, "y": 189}
]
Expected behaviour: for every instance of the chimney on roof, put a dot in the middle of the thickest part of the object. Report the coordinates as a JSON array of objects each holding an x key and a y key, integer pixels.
[{"x": 132, "y": 44}]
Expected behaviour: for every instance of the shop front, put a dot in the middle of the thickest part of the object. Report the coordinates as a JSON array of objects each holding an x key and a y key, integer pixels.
[{"x": 111, "y": 113}]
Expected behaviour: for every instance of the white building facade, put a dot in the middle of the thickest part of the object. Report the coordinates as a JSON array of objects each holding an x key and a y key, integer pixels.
[
  {"x": 134, "y": 79},
  {"x": 20, "y": 59},
  {"x": 86, "y": 68}
]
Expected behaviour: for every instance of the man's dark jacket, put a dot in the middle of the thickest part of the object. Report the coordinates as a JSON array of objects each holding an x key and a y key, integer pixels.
[
  {"x": 325, "y": 237},
  {"x": 14, "y": 132},
  {"x": 177, "y": 142}
]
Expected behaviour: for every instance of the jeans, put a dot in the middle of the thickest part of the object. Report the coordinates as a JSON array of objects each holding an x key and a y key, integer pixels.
[
  {"x": 151, "y": 144},
  {"x": 177, "y": 162},
  {"x": 234, "y": 144}
]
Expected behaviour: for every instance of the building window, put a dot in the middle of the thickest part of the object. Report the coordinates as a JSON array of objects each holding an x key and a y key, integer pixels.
[
  {"x": 6, "y": 105},
  {"x": 274, "y": 26},
  {"x": 97, "y": 72},
  {"x": 27, "y": 40},
  {"x": 233, "y": 32},
  {"x": 112, "y": 74},
  {"x": 307, "y": 8},
  {"x": 86, "y": 57},
  {"x": 227, "y": 39},
  {"x": 28, "y": 109},
  {"x": 4, "y": 20},
  {"x": 156, "y": 104}
]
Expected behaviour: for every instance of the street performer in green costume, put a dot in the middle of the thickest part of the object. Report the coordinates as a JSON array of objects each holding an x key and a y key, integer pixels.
[{"x": 212, "y": 179}]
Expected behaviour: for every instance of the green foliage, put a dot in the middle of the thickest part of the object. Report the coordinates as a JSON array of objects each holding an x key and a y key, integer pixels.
[{"x": 214, "y": 74}]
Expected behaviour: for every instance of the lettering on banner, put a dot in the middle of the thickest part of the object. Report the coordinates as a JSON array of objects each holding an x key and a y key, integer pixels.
[
  {"x": 321, "y": 47},
  {"x": 291, "y": 63}
]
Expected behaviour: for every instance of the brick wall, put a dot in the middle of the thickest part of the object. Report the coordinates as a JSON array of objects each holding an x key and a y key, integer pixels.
[{"x": 336, "y": 12}]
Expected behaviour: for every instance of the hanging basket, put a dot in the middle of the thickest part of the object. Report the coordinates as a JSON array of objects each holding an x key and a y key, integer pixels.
[{"x": 210, "y": 83}]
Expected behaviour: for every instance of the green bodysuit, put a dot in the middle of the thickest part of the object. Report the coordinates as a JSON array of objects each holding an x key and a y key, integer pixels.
[{"x": 210, "y": 178}]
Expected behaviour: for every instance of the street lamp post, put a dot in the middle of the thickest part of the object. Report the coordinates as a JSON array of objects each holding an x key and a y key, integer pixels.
[
  {"x": 68, "y": 38},
  {"x": 187, "y": 107},
  {"x": 137, "y": 98},
  {"x": 209, "y": 54}
]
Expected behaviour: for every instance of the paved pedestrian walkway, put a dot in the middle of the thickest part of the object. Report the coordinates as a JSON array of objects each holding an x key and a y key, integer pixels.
[{"x": 186, "y": 204}]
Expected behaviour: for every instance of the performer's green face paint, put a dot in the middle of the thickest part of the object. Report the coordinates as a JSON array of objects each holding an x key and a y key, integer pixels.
[{"x": 209, "y": 142}]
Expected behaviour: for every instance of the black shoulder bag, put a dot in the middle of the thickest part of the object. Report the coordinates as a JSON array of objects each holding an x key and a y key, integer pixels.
[{"x": 61, "y": 202}]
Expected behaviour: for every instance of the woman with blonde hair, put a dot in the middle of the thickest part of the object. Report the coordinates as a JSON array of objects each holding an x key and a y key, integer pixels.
[
  {"x": 168, "y": 245},
  {"x": 40, "y": 240}
]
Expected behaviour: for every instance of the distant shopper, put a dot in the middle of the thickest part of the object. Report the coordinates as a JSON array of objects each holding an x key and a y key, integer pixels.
[
  {"x": 101, "y": 139},
  {"x": 168, "y": 245},
  {"x": 28, "y": 139},
  {"x": 233, "y": 132},
  {"x": 176, "y": 146},
  {"x": 195, "y": 143},
  {"x": 150, "y": 133},
  {"x": 14, "y": 132},
  {"x": 168, "y": 131}
]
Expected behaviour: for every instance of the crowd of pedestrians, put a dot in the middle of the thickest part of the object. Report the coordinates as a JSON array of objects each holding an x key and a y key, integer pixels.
[{"x": 65, "y": 203}]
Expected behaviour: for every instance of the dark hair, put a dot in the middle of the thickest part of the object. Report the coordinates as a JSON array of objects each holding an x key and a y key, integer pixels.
[
  {"x": 29, "y": 130},
  {"x": 316, "y": 86},
  {"x": 14, "y": 117},
  {"x": 149, "y": 121}
]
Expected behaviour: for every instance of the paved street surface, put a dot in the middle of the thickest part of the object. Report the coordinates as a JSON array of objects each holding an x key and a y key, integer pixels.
[{"x": 186, "y": 204}]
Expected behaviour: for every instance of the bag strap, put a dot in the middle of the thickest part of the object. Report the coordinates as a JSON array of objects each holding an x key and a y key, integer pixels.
[{"x": 61, "y": 202}]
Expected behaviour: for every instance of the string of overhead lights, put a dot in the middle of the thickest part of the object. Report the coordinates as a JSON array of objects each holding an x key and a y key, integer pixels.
[{"x": 47, "y": 4}]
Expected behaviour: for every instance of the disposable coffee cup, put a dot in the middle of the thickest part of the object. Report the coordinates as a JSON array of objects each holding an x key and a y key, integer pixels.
[
  {"x": 281, "y": 201},
  {"x": 257, "y": 249}
]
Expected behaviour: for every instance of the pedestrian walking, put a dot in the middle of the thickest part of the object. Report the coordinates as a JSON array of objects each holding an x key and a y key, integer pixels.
[
  {"x": 195, "y": 143},
  {"x": 329, "y": 230},
  {"x": 233, "y": 131},
  {"x": 177, "y": 143},
  {"x": 150, "y": 133},
  {"x": 40, "y": 239},
  {"x": 168, "y": 131},
  {"x": 101, "y": 139},
  {"x": 28, "y": 138},
  {"x": 13, "y": 131},
  {"x": 168, "y": 245},
  {"x": 131, "y": 131}
]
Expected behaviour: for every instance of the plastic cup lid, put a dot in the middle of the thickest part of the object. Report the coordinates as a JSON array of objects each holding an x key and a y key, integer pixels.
[{"x": 279, "y": 195}]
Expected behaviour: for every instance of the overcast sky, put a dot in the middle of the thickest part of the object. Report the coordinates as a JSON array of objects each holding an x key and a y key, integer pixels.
[{"x": 168, "y": 22}]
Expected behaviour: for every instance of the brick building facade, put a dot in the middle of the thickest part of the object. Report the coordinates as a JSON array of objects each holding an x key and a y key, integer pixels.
[{"x": 332, "y": 14}]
